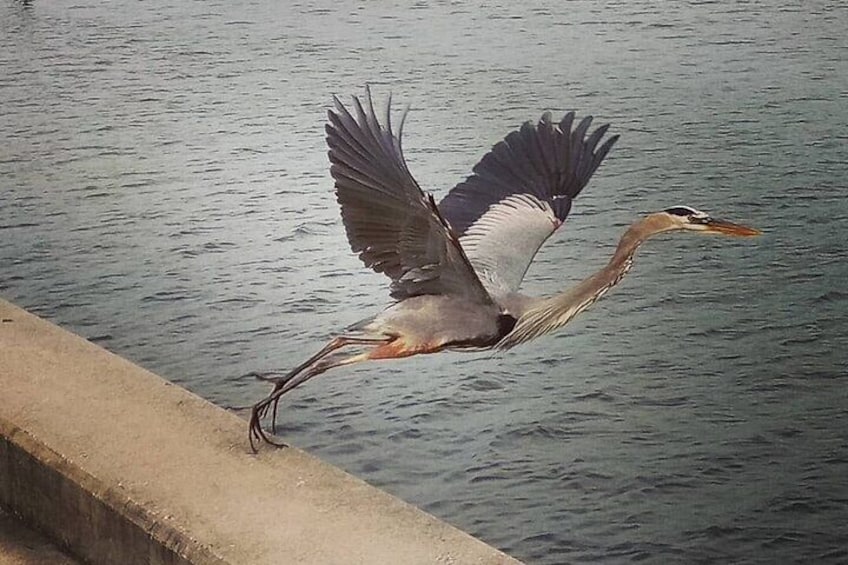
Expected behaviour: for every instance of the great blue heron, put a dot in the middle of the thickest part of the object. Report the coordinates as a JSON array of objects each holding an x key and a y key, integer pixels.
[{"x": 456, "y": 267}]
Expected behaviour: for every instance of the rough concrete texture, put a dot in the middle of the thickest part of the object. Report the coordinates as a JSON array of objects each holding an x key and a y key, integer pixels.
[
  {"x": 21, "y": 546},
  {"x": 120, "y": 466}
]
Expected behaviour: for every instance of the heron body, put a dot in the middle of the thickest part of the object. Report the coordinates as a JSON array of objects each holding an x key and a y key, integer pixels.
[
  {"x": 456, "y": 267},
  {"x": 433, "y": 323}
]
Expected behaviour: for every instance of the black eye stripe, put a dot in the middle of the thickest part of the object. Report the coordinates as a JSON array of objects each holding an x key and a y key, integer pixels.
[{"x": 680, "y": 211}]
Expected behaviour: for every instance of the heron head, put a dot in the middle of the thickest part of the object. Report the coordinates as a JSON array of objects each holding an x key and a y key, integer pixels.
[{"x": 686, "y": 218}]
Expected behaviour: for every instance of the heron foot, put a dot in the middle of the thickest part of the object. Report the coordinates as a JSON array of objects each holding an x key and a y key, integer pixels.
[
  {"x": 259, "y": 411},
  {"x": 283, "y": 383}
]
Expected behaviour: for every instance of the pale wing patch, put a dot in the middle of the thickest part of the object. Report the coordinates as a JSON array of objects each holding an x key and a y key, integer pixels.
[{"x": 503, "y": 241}]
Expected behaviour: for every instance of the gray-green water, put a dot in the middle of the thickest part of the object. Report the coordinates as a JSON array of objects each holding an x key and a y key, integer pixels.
[{"x": 164, "y": 192}]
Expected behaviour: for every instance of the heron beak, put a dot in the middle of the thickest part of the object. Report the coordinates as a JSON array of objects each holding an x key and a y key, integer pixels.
[{"x": 729, "y": 228}]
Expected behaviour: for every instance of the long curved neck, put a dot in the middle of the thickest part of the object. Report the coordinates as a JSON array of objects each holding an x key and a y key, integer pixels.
[
  {"x": 545, "y": 315},
  {"x": 622, "y": 259},
  {"x": 592, "y": 288}
]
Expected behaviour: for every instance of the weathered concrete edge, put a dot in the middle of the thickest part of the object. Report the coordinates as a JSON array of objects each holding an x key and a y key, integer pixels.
[
  {"x": 86, "y": 433},
  {"x": 34, "y": 479}
]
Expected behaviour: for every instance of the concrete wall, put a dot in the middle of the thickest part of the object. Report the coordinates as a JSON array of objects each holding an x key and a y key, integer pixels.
[
  {"x": 119, "y": 466},
  {"x": 20, "y": 545}
]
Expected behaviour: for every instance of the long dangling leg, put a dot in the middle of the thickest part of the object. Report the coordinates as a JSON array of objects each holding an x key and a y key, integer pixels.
[
  {"x": 334, "y": 344},
  {"x": 313, "y": 366},
  {"x": 280, "y": 382}
]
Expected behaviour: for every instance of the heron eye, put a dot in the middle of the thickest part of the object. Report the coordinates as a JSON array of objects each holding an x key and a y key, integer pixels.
[{"x": 682, "y": 211}]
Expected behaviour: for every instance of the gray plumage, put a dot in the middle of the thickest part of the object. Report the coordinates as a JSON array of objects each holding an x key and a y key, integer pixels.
[
  {"x": 391, "y": 223},
  {"x": 520, "y": 193},
  {"x": 456, "y": 267}
]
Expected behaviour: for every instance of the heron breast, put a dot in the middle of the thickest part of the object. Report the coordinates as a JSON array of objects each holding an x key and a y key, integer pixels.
[{"x": 428, "y": 322}]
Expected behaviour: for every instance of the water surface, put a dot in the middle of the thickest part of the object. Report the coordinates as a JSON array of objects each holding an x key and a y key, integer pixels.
[{"x": 164, "y": 192}]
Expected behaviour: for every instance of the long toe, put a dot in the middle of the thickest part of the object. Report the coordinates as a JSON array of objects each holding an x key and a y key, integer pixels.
[
  {"x": 274, "y": 407},
  {"x": 255, "y": 430},
  {"x": 257, "y": 433},
  {"x": 268, "y": 377}
]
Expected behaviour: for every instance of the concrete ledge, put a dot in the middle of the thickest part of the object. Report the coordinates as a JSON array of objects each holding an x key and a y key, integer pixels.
[{"x": 119, "y": 466}]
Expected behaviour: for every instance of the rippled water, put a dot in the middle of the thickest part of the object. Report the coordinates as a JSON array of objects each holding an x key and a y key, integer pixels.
[{"x": 165, "y": 193}]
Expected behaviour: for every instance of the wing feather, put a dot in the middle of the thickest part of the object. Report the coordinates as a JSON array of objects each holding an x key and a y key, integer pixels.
[
  {"x": 520, "y": 193},
  {"x": 390, "y": 222}
]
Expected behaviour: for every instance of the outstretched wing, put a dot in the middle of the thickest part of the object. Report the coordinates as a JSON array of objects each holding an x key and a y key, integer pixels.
[
  {"x": 520, "y": 193},
  {"x": 394, "y": 226}
]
